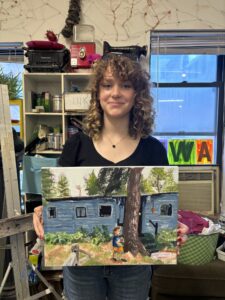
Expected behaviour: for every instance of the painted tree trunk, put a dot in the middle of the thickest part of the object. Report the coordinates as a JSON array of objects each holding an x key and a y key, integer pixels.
[{"x": 132, "y": 209}]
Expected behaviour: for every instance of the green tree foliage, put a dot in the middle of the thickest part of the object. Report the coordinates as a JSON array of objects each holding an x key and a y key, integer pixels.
[
  {"x": 146, "y": 187},
  {"x": 48, "y": 184},
  {"x": 112, "y": 181},
  {"x": 92, "y": 185},
  {"x": 14, "y": 84},
  {"x": 63, "y": 186},
  {"x": 170, "y": 184},
  {"x": 157, "y": 178},
  {"x": 162, "y": 180}
]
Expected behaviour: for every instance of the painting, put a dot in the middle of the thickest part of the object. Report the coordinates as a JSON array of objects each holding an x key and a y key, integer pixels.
[{"x": 109, "y": 215}]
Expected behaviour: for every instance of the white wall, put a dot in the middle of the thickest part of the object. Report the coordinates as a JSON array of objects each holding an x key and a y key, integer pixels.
[{"x": 120, "y": 22}]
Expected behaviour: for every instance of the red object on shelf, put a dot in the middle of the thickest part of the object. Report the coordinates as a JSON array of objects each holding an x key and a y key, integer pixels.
[
  {"x": 47, "y": 45},
  {"x": 82, "y": 47},
  {"x": 51, "y": 36},
  {"x": 79, "y": 54}
]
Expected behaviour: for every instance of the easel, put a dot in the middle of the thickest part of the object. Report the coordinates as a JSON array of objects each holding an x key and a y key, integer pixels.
[{"x": 16, "y": 224}]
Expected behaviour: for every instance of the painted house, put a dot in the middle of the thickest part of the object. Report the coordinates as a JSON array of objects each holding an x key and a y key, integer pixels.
[
  {"x": 159, "y": 210},
  {"x": 69, "y": 214},
  {"x": 72, "y": 213}
]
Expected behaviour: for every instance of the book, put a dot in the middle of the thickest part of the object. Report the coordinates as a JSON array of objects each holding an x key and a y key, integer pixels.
[{"x": 110, "y": 215}]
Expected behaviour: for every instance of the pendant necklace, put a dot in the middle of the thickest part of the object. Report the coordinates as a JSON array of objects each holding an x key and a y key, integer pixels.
[{"x": 115, "y": 144}]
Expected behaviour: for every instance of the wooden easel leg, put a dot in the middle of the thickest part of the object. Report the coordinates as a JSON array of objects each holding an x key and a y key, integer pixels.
[
  {"x": 5, "y": 277},
  {"x": 3, "y": 241},
  {"x": 12, "y": 195}
]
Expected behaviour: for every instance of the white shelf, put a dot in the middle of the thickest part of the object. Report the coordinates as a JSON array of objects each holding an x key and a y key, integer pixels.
[
  {"x": 75, "y": 113},
  {"x": 44, "y": 152},
  {"x": 42, "y": 114},
  {"x": 54, "y": 83}
]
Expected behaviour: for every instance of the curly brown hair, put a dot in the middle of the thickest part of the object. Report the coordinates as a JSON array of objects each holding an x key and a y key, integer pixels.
[{"x": 142, "y": 113}]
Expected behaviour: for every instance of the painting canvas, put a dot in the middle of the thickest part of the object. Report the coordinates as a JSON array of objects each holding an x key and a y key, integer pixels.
[{"x": 109, "y": 215}]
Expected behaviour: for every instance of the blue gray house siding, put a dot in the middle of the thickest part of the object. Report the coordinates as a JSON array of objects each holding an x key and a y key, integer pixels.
[
  {"x": 151, "y": 210},
  {"x": 65, "y": 219}
]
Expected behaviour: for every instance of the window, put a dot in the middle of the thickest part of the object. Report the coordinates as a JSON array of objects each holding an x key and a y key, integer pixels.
[
  {"x": 105, "y": 210},
  {"x": 16, "y": 114},
  {"x": 166, "y": 210},
  {"x": 81, "y": 212},
  {"x": 11, "y": 67},
  {"x": 187, "y": 73},
  {"x": 14, "y": 69},
  {"x": 51, "y": 212},
  {"x": 12, "y": 61}
]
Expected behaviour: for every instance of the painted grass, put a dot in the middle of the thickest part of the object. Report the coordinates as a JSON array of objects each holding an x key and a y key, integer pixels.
[{"x": 55, "y": 255}]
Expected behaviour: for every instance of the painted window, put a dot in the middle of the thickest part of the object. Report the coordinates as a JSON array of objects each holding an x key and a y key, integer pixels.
[
  {"x": 51, "y": 212},
  {"x": 105, "y": 210},
  {"x": 166, "y": 210},
  {"x": 81, "y": 212}
]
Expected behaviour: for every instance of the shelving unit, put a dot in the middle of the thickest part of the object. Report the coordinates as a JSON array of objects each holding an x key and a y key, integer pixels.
[{"x": 54, "y": 83}]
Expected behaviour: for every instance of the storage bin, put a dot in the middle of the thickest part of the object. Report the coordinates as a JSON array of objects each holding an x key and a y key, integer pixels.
[
  {"x": 32, "y": 172},
  {"x": 198, "y": 249},
  {"x": 77, "y": 101},
  {"x": 221, "y": 252}
]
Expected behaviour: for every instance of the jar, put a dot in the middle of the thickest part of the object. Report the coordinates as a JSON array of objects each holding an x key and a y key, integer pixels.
[
  {"x": 50, "y": 138},
  {"x": 57, "y": 103},
  {"x": 47, "y": 101},
  {"x": 57, "y": 141}
]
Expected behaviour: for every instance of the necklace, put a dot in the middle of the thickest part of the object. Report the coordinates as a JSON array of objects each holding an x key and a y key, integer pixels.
[{"x": 115, "y": 144}]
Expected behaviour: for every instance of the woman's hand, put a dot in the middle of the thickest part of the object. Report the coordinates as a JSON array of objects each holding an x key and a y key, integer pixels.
[
  {"x": 38, "y": 222},
  {"x": 182, "y": 231}
]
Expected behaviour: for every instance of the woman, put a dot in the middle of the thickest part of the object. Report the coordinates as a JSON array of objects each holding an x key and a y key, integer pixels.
[{"x": 117, "y": 132}]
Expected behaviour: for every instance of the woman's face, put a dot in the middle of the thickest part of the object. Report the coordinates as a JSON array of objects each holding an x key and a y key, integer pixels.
[{"x": 116, "y": 96}]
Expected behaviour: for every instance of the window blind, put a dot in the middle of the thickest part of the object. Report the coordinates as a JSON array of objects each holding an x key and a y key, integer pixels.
[
  {"x": 187, "y": 42},
  {"x": 11, "y": 52}
]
